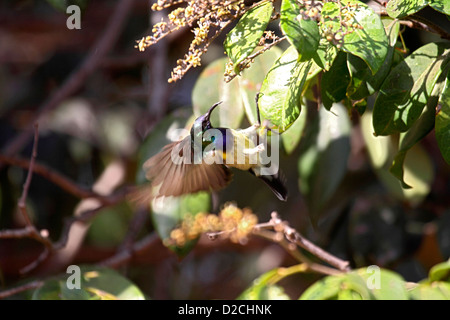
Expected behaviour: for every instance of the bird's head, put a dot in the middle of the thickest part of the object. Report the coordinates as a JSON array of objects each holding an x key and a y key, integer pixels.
[{"x": 203, "y": 123}]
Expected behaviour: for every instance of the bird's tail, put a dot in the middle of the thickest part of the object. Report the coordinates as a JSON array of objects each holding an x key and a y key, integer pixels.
[{"x": 276, "y": 183}]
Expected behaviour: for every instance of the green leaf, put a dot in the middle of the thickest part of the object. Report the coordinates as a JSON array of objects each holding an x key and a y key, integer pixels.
[
  {"x": 301, "y": 33},
  {"x": 96, "y": 283},
  {"x": 211, "y": 88},
  {"x": 264, "y": 288},
  {"x": 440, "y": 5},
  {"x": 49, "y": 291},
  {"x": 325, "y": 54},
  {"x": 364, "y": 283},
  {"x": 323, "y": 162},
  {"x": 435, "y": 291},
  {"x": 440, "y": 272},
  {"x": 417, "y": 131},
  {"x": 419, "y": 161},
  {"x": 244, "y": 37},
  {"x": 109, "y": 283},
  {"x": 252, "y": 78},
  {"x": 442, "y": 126},
  {"x": 282, "y": 89},
  {"x": 367, "y": 40},
  {"x": 408, "y": 88},
  {"x": 325, "y": 289},
  {"x": 291, "y": 137},
  {"x": 402, "y": 8},
  {"x": 363, "y": 83},
  {"x": 169, "y": 212},
  {"x": 383, "y": 284},
  {"x": 335, "y": 81}
]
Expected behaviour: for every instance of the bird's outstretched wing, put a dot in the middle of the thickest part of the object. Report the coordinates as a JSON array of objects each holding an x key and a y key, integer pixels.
[{"x": 183, "y": 176}]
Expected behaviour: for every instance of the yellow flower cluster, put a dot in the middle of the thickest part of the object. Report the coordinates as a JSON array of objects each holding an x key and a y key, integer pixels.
[
  {"x": 207, "y": 18},
  {"x": 232, "y": 223}
]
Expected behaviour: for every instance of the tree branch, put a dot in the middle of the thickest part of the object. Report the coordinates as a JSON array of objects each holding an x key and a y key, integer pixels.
[
  {"x": 124, "y": 256},
  {"x": 28, "y": 286},
  {"x": 289, "y": 239},
  {"x": 51, "y": 175},
  {"x": 30, "y": 230}
]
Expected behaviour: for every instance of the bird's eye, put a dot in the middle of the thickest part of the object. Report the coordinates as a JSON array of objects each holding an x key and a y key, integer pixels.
[{"x": 213, "y": 139}]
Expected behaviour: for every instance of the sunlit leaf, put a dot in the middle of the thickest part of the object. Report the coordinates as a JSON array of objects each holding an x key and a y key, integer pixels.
[
  {"x": 402, "y": 8},
  {"x": 361, "y": 284},
  {"x": 383, "y": 284},
  {"x": 408, "y": 88},
  {"x": 96, "y": 283},
  {"x": 326, "y": 289},
  {"x": 110, "y": 283},
  {"x": 435, "y": 291},
  {"x": 245, "y": 36},
  {"x": 291, "y": 137},
  {"x": 302, "y": 33},
  {"x": 440, "y": 272},
  {"x": 442, "y": 125},
  {"x": 282, "y": 88},
  {"x": 440, "y": 5},
  {"x": 364, "y": 37},
  {"x": 417, "y": 131},
  {"x": 363, "y": 83},
  {"x": 264, "y": 288},
  {"x": 252, "y": 78}
]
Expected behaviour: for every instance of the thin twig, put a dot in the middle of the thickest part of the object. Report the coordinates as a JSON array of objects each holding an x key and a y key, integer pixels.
[
  {"x": 28, "y": 286},
  {"x": 417, "y": 22},
  {"x": 294, "y": 236},
  {"x": 30, "y": 230},
  {"x": 26, "y": 186},
  {"x": 51, "y": 175},
  {"x": 123, "y": 257},
  {"x": 86, "y": 217},
  {"x": 292, "y": 250},
  {"x": 249, "y": 59},
  {"x": 78, "y": 78}
]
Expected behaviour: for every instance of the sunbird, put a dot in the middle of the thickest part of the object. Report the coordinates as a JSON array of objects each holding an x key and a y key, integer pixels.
[{"x": 202, "y": 160}]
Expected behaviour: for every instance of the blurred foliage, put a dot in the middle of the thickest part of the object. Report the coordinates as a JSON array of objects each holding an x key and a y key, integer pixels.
[{"x": 327, "y": 102}]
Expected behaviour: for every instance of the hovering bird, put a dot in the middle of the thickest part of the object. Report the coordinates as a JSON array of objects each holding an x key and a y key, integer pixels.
[{"x": 201, "y": 161}]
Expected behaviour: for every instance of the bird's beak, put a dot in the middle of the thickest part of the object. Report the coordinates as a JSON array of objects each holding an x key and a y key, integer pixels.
[{"x": 208, "y": 115}]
